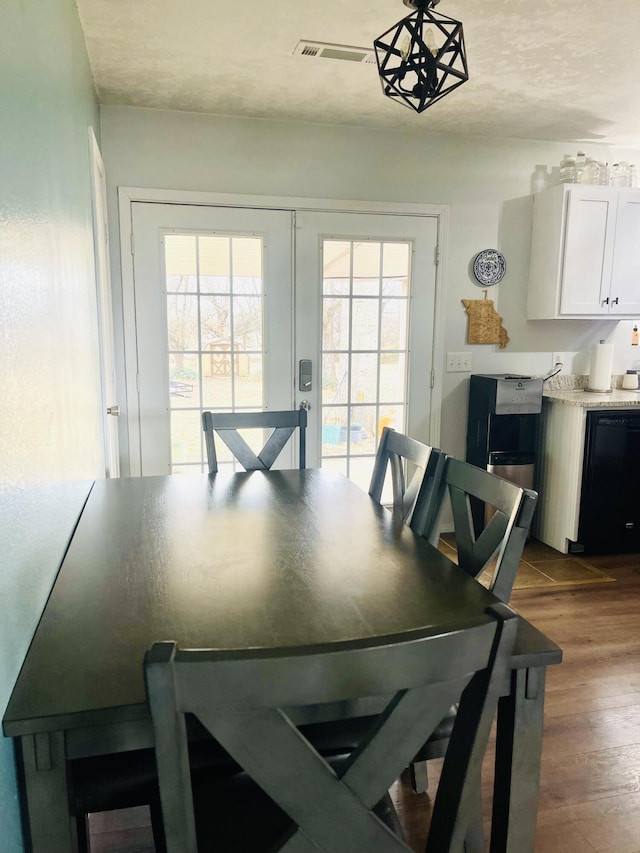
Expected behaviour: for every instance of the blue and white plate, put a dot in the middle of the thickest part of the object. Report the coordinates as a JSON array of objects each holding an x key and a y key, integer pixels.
[{"x": 489, "y": 267}]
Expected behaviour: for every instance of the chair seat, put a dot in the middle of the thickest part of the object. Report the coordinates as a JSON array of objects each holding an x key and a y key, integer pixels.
[
  {"x": 222, "y": 800},
  {"x": 436, "y": 746},
  {"x": 118, "y": 781},
  {"x": 128, "y": 779}
]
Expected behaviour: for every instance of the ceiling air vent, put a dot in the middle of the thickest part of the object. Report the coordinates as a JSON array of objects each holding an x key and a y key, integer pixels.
[{"x": 322, "y": 50}]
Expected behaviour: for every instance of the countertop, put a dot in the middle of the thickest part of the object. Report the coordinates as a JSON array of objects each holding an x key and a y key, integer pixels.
[{"x": 617, "y": 399}]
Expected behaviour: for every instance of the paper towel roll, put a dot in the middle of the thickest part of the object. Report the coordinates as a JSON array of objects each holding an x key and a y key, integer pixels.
[{"x": 601, "y": 366}]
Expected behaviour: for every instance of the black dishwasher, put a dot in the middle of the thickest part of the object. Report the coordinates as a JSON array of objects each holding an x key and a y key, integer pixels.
[{"x": 610, "y": 501}]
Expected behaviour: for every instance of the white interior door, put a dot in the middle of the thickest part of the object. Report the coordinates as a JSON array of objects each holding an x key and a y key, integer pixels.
[
  {"x": 218, "y": 322},
  {"x": 365, "y": 307}
]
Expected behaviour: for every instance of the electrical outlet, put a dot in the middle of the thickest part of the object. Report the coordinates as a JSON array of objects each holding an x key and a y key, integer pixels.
[
  {"x": 556, "y": 357},
  {"x": 458, "y": 362}
]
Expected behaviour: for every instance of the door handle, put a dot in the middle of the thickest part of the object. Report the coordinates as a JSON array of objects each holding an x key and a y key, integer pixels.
[
  {"x": 304, "y": 375},
  {"x": 113, "y": 410},
  {"x": 305, "y": 404}
]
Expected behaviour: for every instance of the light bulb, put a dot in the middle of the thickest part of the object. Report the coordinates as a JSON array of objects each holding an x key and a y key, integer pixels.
[{"x": 429, "y": 40}]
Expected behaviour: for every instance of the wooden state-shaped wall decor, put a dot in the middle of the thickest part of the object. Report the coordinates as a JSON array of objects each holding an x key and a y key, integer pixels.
[{"x": 485, "y": 324}]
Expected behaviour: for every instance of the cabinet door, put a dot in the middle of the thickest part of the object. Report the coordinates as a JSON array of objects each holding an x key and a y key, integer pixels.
[
  {"x": 625, "y": 280},
  {"x": 588, "y": 251}
]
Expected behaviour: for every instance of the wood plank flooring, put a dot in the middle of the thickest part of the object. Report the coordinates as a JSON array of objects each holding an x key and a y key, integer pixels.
[{"x": 590, "y": 781}]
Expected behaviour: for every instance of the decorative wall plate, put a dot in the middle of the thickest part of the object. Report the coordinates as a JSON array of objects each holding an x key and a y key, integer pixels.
[{"x": 489, "y": 267}]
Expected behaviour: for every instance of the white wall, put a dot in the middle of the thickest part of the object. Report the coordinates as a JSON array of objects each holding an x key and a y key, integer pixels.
[
  {"x": 50, "y": 421},
  {"x": 486, "y": 184}
]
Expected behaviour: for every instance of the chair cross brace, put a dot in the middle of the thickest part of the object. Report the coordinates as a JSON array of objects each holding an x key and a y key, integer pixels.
[
  {"x": 227, "y": 424},
  {"x": 333, "y": 813},
  {"x": 267, "y": 456},
  {"x": 476, "y": 552}
]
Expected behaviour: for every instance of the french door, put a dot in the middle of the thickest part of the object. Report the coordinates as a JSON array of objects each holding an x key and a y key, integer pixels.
[
  {"x": 365, "y": 293},
  {"x": 244, "y": 309}
]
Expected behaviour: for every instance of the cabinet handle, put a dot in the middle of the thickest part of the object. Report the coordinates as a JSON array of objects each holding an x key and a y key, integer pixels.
[
  {"x": 605, "y": 301},
  {"x": 614, "y": 301}
]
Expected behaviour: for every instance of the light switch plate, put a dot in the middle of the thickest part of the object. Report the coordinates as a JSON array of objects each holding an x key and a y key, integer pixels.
[{"x": 458, "y": 362}]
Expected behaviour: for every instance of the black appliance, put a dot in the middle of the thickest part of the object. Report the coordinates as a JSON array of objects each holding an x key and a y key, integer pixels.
[
  {"x": 502, "y": 429},
  {"x": 610, "y": 501}
]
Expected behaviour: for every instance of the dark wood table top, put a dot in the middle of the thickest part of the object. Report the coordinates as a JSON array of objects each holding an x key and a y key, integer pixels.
[{"x": 282, "y": 558}]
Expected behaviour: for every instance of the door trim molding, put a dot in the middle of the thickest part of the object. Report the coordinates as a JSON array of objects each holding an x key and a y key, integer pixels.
[
  {"x": 130, "y": 195},
  {"x": 104, "y": 306}
]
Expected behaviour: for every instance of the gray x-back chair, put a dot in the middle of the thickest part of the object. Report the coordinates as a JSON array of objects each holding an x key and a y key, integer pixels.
[
  {"x": 413, "y": 494},
  {"x": 497, "y": 548},
  {"x": 249, "y": 699},
  {"x": 226, "y": 425}
]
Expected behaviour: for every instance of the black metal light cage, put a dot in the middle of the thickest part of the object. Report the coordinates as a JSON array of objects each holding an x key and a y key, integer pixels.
[{"x": 421, "y": 58}]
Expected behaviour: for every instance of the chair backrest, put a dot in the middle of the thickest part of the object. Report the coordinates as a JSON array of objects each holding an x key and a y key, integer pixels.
[
  {"x": 245, "y": 699},
  {"x": 228, "y": 424},
  {"x": 505, "y": 532},
  {"x": 412, "y": 499}
]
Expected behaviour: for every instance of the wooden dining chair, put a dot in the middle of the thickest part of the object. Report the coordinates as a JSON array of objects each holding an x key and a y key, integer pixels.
[
  {"x": 499, "y": 545},
  {"x": 226, "y": 425},
  {"x": 412, "y": 495},
  {"x": 497, "y": 550},
  {"x": 250, "y": 701}
]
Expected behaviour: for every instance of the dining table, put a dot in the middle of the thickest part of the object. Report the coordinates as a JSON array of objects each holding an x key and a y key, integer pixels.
[{"x": 261, "y": 559}]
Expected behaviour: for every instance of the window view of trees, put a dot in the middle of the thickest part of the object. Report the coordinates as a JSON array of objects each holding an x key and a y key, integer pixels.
[
  {"x": 214, "y": 297},
  {"x": 364, "y": 349}
]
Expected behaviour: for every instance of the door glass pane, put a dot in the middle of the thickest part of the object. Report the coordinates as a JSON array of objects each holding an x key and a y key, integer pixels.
[
  {"x": 335, "y": 378},
  {"x": 215, "y": 318},
  {"x": 393, "y": 324},
  {"x": 215, "y": 321},
  {"x": 335, "y": 323},
  {"x": 215, "y": 263},
  {"x": 247, "y": 322},
  {"x": 364, "y": 371},
  {"x": 185, "y": 437},
  {"x": 365, "y": 317},
  {"x": 364, "y": 323},
  {"x": 392, "y": 377},
  {"x": 184, "y": 385},
  {"x": 366, "y": 268},
  {"x": 336, "y": 266},
  {"x": 182, "y": 321}
]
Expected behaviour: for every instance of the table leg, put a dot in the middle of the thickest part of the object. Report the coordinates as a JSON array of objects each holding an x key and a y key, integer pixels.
[
  {"x": 45, "y": 795},
  {"x": 517, "y": 771}
]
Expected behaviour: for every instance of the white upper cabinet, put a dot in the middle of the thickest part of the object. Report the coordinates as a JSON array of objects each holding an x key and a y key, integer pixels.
[
  {"x": 625, "y": 276},
  {"x": 585, "y": 253}
]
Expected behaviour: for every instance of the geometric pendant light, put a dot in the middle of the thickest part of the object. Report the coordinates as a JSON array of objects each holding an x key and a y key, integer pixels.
[{"x": 421, "y": 58}]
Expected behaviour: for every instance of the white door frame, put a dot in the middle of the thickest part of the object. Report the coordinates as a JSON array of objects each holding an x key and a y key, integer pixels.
[
  {"x": 128, "y": 195},
  {"x": 105, "y": 309}
]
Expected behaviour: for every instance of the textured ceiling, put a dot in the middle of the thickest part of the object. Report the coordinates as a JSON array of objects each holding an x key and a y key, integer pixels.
[{"x": 561, "y": 71}]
